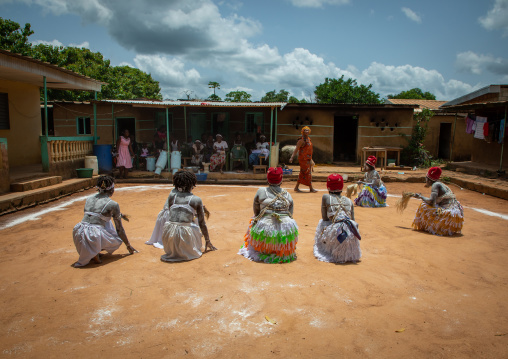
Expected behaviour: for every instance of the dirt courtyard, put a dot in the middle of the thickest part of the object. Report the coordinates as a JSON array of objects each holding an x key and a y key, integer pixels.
[{"x": 412, "y": 295}]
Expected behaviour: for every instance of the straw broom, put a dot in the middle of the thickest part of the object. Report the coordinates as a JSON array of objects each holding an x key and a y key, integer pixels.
[
  {"x": 351, "y": 190},
  {"x": 402, "y": 202},
  {"x": 207, "y": 212}
]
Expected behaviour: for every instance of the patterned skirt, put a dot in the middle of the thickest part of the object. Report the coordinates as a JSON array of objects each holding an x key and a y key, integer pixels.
[
  {"x": 271, "y": 240},
  {"x": 439, "y": 220},
  {"x": 327, "y": 247},
  {"x": 371, "y": 196},
  {"x": 216, "y": 160}
]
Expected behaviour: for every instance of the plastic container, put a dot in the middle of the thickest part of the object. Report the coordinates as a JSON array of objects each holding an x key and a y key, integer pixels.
[
  {"x": 201, "y": 176},
  {"x": 162, "y": 161},
  {"x": 287, "y": 171},
  {"x": 104, "y": 158},
  {"x": 91, "y": 162},
  {"x": 85, "y": 172},
  {"x": 176, "y": 161},
  {"x": 150, "y": 164}
]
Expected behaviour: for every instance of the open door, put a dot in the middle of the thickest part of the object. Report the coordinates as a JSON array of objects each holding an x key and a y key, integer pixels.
[
  {"x": 445, "y": 138},
  {"x": 345, "y": 129}
]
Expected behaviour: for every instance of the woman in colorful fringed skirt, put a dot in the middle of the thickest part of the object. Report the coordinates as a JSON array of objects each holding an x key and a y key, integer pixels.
[
  {"x": 373, "y": 193},
  {"x": 337, "y": 239},
  {"x": 440, "y": 214},
  {"x": 272, "y": 234},
  {"x": 95, "y": 232}
]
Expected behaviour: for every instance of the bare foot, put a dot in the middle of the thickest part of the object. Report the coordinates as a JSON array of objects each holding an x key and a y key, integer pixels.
[
  {"x": 97, "y": 259},
  {"x": 298, "y": 190},
  {"x": 313, "y": 190}
]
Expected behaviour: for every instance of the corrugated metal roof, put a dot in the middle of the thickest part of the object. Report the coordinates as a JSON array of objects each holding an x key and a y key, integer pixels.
[
  {"x": 429, "y": 104},
  {"x": 196, "y": 103}
]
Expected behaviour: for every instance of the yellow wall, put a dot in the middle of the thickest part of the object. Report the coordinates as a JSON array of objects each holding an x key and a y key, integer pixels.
[
  {"x": 462, "y": 143},
  {"x": 23, "y": 141}
]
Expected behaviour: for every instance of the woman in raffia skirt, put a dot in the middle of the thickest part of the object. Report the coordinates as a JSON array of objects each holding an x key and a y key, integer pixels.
[
  {"x": 337, "y": 239},
  {"x": 440, "y": 214},
  {"x": 272, "y": 234}
]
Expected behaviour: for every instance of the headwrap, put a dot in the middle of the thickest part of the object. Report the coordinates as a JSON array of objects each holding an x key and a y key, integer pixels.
[
  {"x": 335, "y": 182},
  {"x": 274, "y": 175},
  {"x": 434, "y": 173},
  {"x": 306, "y": 128},
  {"x": 371, "y": 161},
  {"x": 217, "y": 135},
  {"x": 103, "y": 187}
]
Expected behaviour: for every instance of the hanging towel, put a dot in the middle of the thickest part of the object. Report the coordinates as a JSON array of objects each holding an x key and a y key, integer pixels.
[
  {"x": 469, "y": 125},
  {"x": 480, "y": 121}
]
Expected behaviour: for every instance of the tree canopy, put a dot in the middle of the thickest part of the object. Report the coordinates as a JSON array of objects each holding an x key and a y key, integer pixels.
[
  {"x": 238, "y": 96},
  {"x": 416, "y": 94},
  {"x": 124, "y": 82},
  {"x": 345, "y": 91},
  {"x": 272, "y": 96}
]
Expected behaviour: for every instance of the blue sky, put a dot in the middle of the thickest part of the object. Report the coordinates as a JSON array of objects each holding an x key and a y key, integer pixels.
[{"x": 449, "y": 48}]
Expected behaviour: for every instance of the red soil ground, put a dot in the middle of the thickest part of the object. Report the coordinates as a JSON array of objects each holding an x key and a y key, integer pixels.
[{"x": 446, "y": 297}]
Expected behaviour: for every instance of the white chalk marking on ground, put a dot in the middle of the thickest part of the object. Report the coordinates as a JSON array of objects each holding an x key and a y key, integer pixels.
[
  {"x": 37, "y": 215},
  {"x": 74, "y": 289}
]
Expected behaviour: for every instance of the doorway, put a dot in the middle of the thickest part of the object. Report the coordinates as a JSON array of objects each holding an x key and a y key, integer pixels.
[
  {"x": 126, "y": 123},
  {"x": 445, "y": 137},
  {"x": 345, "y": 130},
  {"x": 198, "y": 125}
]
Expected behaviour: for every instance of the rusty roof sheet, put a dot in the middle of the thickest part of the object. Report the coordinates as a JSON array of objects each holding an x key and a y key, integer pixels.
[{"x": 429, "y": 104}]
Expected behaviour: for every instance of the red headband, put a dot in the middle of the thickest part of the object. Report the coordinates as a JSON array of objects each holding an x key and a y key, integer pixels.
[
  {"x": 274, "y": 175},
  {"x": 335, "y": 182},
  {"x": 434, "y": 173}
]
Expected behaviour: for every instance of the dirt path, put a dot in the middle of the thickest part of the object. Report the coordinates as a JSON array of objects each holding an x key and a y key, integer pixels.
[{"x": 448, "y": 295}]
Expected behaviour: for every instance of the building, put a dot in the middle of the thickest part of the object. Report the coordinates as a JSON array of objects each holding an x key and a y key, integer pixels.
[
  {"x": 490, "y": 103},
  {"x": 446, "y": 132},
  {"x": 22, "y": 141}
]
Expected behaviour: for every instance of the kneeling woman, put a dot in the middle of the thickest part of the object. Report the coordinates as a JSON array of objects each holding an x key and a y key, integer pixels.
[
  {"x": 337, "y": 238},
  {"x": 441, "y": 213},
  {"x": 181, "y": 237},
  {"x": 95, "y": 232},
  {"x": 272, "y": 234},
  {"x": 373, "y": 193}
]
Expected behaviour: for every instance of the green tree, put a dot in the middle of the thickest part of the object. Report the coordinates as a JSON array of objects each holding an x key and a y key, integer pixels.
[
  {"x": 14, "y": 38},
  {"x": 238, "y": 96},
  {"x": 415, "y": 153},
  {"x": 415, "y": 93},
  {"x": 272, "y": 96},
  {"x": 213, "y": 97},
  {"x": 345, "y": 91},
  {"x": 214, "y": 85}
]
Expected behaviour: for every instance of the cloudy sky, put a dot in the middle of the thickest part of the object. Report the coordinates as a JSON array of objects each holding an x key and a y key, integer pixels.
[{"x": 449, "y": 48}]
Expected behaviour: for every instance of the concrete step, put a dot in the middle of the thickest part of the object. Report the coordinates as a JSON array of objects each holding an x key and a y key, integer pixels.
[{"x": 28, "y": 185}]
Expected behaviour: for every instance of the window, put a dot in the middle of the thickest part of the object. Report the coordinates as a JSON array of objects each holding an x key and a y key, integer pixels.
[
  {"x": 252, "y": 121},
  {"x": 4, "y": 112},
  {"x": 84, "y": 126}
]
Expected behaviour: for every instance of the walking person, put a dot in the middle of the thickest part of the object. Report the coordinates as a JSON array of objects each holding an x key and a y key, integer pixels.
[{"x": 304, "y": 150}]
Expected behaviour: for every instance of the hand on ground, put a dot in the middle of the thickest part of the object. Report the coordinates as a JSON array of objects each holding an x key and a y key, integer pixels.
[{"x": 209, "y": 247}]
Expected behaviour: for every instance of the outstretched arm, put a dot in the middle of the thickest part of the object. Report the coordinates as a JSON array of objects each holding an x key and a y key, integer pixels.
[
  {"x": 433, "y": 195},
  {"x": 202, "y": 225},
  {"x": 117, "y": 218}
]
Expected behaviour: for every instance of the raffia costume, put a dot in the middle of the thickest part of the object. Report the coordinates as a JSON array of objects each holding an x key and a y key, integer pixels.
[
  {"x": 444, "y": 219},
  {"x": 272, "y": 234},
  {"x": 337, "y": 239}
]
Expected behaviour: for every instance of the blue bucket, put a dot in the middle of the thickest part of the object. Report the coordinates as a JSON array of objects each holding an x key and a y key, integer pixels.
[{"x": 104, "y": 158}]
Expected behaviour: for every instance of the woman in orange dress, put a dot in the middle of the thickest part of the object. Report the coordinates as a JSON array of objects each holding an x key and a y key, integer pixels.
[{"x": 304, "y": 149}]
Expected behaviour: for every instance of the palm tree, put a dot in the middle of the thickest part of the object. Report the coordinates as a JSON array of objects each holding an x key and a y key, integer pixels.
[{"x": 214, "y": 85}]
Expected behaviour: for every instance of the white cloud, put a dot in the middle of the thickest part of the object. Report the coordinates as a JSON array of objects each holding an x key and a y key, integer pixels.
[
  {"x": 497, "y": 17},
  {"x": 476, "y": 64},
  {"x": 317, "y": 3},
  {"x": 52, "y": 43},
  {"x": 169, "y": 72},
  {"x": 412, "y": 15},
  {"x": 84, "y": 44}
]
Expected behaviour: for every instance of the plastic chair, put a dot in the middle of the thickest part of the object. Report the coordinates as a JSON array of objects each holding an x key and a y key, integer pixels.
[{"x": 238, "y": 153}]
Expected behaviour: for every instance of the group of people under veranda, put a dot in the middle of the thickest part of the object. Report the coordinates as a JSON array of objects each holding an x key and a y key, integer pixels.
[{"x": 272, "y": 233}]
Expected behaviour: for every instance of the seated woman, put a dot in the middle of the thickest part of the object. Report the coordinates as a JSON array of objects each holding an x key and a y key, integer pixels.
[
  {"x": 238, "y": 140},
  {"x": 162, "y": 218},
  {"x": 181, "y": 237},
  {"x": 272, "y": 234},
  {"x": 218, "y": 159},
  {"x": 337, "y": 239},
  {"x": 95, "y": 232},
  {"x": 262, "y": 149},
  {"x": 197, "y": 153},
  {"x": 208, "y": 150},
  {"x": 373, "y": 193},
  {"x": 440, "y": 214}
]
